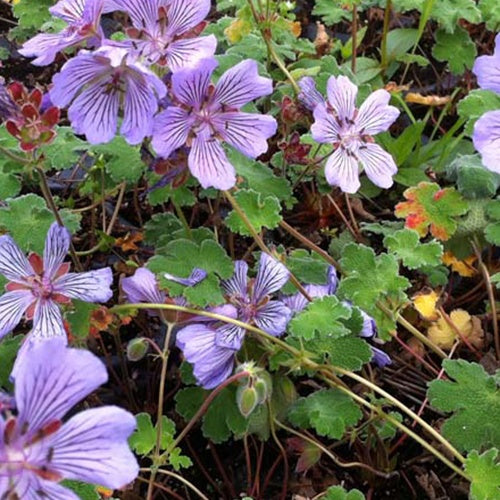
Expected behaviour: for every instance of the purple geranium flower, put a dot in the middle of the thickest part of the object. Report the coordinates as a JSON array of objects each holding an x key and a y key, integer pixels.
[
  {"x": 309, "y": 95},
  {"x": 204, "y": 116},
  {"x": 38, "y": 450},
  {"x": 165, "y": 32},
  {"x": 298, "y": 302},
  {"x": 83, "y": 18},
  {"x": 486, "y": 139},
  {"x": 487, "y": 69},
  {"x": 211, "y": 348},
  {"x": 349, "y": 130},
  {"x": 99, "y": 84},
  {"x": 37, "y": 286}
]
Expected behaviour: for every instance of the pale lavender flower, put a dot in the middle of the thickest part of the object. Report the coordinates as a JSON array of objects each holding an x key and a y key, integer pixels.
[
  {"x": 38, "y": 286},
  {"x": 486, "y": 138},
  {"x": 211, "y": 348},
  {"x": 297, "y": 302},
  {"x": 204, "y": 116},
  {"x": 309, "y": 95},
  {"x": 487, "y": 69},
  {"x": 83, "y": 18},
  {"x": 349, "y": 130},
  {"x": 38, "y": 450},
  {"x": 98, "y": 85},
  {"x": 165, "y": 32}
]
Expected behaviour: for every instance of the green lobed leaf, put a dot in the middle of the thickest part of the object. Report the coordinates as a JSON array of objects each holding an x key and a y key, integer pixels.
[
  {"x": 307, "y": 267},
  {"x": 331, "y": 13},
  {"x": 484, "y": 471},
  {"x": 10, "y": 185},
  {"x": 490, "y": 11},
  {"x": 328, "y": 411},
  {"x": 79, "y": 318},
  {"x": 157, "y": 231},
  {"x": 457, "y": 49},
  {"x": 260, "y": 211},
  {"x": 65, "y": 150},
  {"x": 322, "y": 317},
  {"x": 370, "y": 279},
  {"x": 32, "y": 14},
  {"x": 492, "y": 231},
  {"x": 449, "y": 12},
  {"x": 84, "y": 491},
  {"x": 339, "y": 493},
  {"x": 28, "y": 219},
  {"x": 473, "y": 397},
  {"x": 405, "y": 244},
  {"x": 122, "y": 161}
]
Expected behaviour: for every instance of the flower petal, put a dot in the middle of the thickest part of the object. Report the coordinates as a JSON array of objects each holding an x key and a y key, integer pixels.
[
  {"x": 208, "y": 162},
  {"x": 94, "y": 113},
  {"x": 342, "y": 94},
  {"x": 241, "y": 84},
  {"x": 171, "y": 130},
  {"x": 190, "y": 85},
  {"x": 273, "y": 317},
  {"x": 342, "y": 170},
  {"x": 52, "y": 379},
  {"x": 12, "y": 307},
  {"x": 271, "y": 277},
  {"x": 45, "y": 46},
  {"x": 92, "y": 447},
  {"x": 486, "y": 139},
  {"x": 144, "y": 14},
  {"x": 380, "y": 358},
  {"x": 325, "y": 128},
  {"x": 142, "y": 287},
  {"x": 296, "y": 302},
  {"x": 184, "y": 15},
  {"x": 76, "y": 73},
  {"x": 187, "y": 52},
  {"x": 68, "y": 10},
  {"x": 196, "y": 276},
  {"x": 487, "y": 69},
  {"x": 92, "y": 286},
  {"x": 47, "y": 322},
  {"x": 247, "y": 132},
  {"x": 230, "y": 336},
  {"x": 56, "y": 248},
  {"x": 378, "y": 165},
  {"x": 375, "y": 114},
  {"x": 13, "y": 263},
  {"x": 237, "y": 285},
  {"x": 211, "y": 364}
]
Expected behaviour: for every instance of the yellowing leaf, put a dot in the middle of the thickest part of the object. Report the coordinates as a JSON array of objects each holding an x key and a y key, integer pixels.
[
  {"x": 425, "y": 304},
  {"x": 295, "y": 28},
  {"x": 237, "y": 30},
  {"x": 462, "y": 267},
  {"x": 427, "y": 100},
  {"x": 444, "y": 335}
]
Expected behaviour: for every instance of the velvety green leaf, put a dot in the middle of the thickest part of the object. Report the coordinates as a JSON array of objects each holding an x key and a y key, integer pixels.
[
  {"x": 66, "y": 149},
  {"x": 157, "y": 230},
  {"x": 332, "y": 13},
  {"x": 490, "y": 11},
  {"x": 143, "y": 439},
  {"x": 339, "y": 493},
  {"x": 457, "y": 49},
  {"x": 492, "y": 231},
  {"x": 189, "y": 400},
  {"x": 8, "y": 352},
  {"x": 449, "y": 12},
  {"x": 405, "y": 244},
  {"x": 83, "y": 490},
  {"x": 473, "y": 397},
  {"x": 10, "y": 185},
  {"x": 328, "y": 411},
  {"x": 484, "y": 471},
  {"x": 79, "y": 318},
  {"x": 28, "y": 219},
  {"x": 260, "y": 211}
]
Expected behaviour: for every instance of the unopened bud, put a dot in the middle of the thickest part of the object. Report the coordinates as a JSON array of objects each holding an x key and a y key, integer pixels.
[
  {"x": 137, "y": 349},
  {"x": 247, "y": 399}
]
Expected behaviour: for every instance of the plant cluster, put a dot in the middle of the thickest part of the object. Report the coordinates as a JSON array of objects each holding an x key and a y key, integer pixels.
[{"x": 283, "y": 222}]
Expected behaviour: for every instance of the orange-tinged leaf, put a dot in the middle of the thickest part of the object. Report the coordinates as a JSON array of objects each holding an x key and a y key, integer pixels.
[
  {"x": 428, "y": 207},
  {"x": 425, "y": 304},
  {"x": 128, "y": 242}
]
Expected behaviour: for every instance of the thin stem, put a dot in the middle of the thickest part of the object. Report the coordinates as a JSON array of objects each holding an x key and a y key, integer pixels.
[
  {"x": 354, "y": 36},
  {"x": 13, "y": 156},
  {"x": 204, "y": 407},
  {"x": 181, "y": 479},
  {"x": 119, "y": 202},
  {"x": 159, "y": 415},
  {"x": 44, "y": 186}
]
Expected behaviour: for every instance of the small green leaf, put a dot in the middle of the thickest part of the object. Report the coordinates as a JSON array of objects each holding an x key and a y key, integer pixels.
[
  {"x": 144, "y": 437},
  {"x": 328, "y": 411},
  {"x": 457, "y": 49},
  {"x": 405, "y": 244},
  {"x": 321, "y": 316},
  {"x": 339, "y": 493},
  {"x": 157, "y": 230},
  {"x": 332, "y": 13},
  {"x": 28, "y": 219},
  {"x": 260, "y": 211},
  {"x": 122, "y": 161},
  {"x": 492, "y": 231},
  {"x": 10, "y": 185},
  {"x": 79, "y": 318},
  {"x": 474, "y": 397},
  {"x": 484, "y": 471},
  {"x": 65, "y": 150},
  {"x": 83, "y": 490},
  {"x": 449, "y": 12}
]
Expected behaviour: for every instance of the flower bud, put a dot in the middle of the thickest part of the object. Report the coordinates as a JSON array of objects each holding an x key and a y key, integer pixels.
[
  {"x": 247, "y": 399},
  {"x": 137, "y": 349}
]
